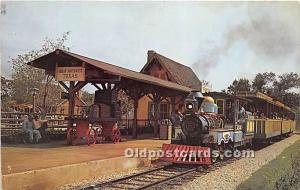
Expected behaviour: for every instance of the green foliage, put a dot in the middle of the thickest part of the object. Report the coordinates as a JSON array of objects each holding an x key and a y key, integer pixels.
[
  {"x": 262, "y": 81},
  {"x": 25, "y": 77},
  {"x": 279, "y": 174},
  {"x": 241, "y": 85},
  {"x": 283, "y": 89},
  {"x": 126, "y": 102},
  {"x": 280, "y": 87},
  {"x": 287, "y": 81},
  {"x": 5, "y": 93},
  {"x": 87, "y": 97}
]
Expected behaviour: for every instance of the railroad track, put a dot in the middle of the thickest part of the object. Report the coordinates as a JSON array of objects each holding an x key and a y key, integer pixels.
[
  {"x": 162, "y": 177},
  {"x": 146, "y": 179},
  {"x": 157, "y": 178}
]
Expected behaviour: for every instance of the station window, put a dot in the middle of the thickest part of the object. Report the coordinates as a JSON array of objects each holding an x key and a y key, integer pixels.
[
  {"x": 163, "y": 111},
  {"x": 220, "y": 104}
]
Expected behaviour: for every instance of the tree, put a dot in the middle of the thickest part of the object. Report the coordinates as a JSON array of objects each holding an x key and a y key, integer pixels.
[
  {"x": 263, "y": 81},
  {"x": 240, "y": 85},
  {"x": 291, "y": 99},
  {"x": 287, "y": 81},
  {"x": 26, "y": 77},
  {"x": 126, "y": 102},
  {"x": 283, "y": 89},
  {"x": 5, "y": 93},
  {"x": 206, "y": 86},
  {"x": 87, "y": 97}
]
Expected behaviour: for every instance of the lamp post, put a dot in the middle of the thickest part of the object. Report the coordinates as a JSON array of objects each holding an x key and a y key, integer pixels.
[{"x": 34, "y": 91}]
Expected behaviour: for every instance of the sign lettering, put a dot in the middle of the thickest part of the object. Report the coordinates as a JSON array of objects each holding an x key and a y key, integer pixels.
[{"x": 70, "y": 74}]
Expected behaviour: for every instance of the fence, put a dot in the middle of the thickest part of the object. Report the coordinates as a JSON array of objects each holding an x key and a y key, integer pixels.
[
  {"x": 143, "y": 126},
  {"x": 11, "y": 124}
]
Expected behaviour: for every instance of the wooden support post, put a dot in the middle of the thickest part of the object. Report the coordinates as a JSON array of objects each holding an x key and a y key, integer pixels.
[
  {"x": 135, "y": 94},
  {"x": 268, "y": 110},
  {"x": 156, "y": 101},
  {"x": 95, "y": 85},
  {"x": 235, "y": 112},
  {"x": 71, "y": 102},
  {"x": 78, "y": 86},
  {"x": 64, "y": 85},
  {"x": 156, "y": 118},
  {"x": 173, "y": 104},
  {"x": 134, "y": 127}
]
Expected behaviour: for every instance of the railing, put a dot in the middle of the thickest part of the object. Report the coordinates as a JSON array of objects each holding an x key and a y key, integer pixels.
[
  {"x": 11, "y": 124},
  {"x": 144, "y": 126}
]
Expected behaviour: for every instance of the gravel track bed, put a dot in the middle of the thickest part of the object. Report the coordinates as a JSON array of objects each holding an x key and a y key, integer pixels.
[
  {"x": 104, "y": 178},
  {"x": 231, "y": 175},
  {"x": 228, "y": 176},
  {"x": 85, "y": 183}
]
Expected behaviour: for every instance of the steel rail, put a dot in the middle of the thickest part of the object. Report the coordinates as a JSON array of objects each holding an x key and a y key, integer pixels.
[
  {"x": 176, "y": 176},
  {"x": 123, "y": 178}
]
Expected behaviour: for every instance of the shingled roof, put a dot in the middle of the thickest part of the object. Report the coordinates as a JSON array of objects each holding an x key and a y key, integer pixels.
[
  {"x": 48, "y": 61},
  {"x": 179, "y": 73}
]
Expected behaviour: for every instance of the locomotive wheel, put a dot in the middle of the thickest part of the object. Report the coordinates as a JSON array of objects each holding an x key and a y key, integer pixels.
[
  {"x": 116, "y": 135},
  {"x": 91, "y": 137},
  {"x": 71, "y": 136}
]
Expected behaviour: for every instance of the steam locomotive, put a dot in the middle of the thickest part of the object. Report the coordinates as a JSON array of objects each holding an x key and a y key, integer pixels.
[
  {"x": 202, "y": 130},
  {"x": 200, "y": 117}
]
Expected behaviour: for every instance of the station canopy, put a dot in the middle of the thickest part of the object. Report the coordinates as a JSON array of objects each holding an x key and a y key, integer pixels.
[{"x": 99, "y": 71}]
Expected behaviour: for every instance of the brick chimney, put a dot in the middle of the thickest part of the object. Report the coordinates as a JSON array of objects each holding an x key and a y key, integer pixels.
[{"x": 150, "y": 54}]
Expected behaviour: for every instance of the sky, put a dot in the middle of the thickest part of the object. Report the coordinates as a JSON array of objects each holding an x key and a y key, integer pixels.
[{"x": 220, "y": 41}]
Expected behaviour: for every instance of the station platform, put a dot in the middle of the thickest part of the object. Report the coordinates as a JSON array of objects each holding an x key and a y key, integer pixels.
[{"x": 24, "y": 163}]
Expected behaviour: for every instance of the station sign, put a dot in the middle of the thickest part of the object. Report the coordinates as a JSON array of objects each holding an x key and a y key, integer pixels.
[{"x": 70, "y": 74}]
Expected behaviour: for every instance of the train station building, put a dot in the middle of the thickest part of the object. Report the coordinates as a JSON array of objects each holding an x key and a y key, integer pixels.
[{"x": 157, "y": 89}]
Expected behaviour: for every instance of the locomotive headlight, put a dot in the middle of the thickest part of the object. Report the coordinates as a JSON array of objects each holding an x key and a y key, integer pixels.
[{"x": 189, "y": 106}]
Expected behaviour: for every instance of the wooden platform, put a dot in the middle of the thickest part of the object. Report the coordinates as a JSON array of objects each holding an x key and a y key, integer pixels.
[
  {"x": 50, "y": 165},
  {"x": 20, "y": 157}
]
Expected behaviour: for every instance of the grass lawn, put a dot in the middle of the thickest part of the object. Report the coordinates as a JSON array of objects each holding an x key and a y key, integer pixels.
[{"x": 282, "y": 173}]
